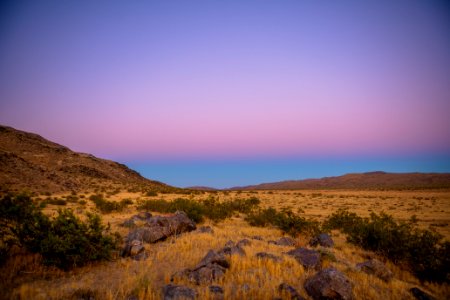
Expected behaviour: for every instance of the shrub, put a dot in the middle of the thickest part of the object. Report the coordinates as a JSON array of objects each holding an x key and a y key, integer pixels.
[
  {"x": 65, "y": 241},
  {"x": 106, "y": 206},
  {"x": 285, "y": 220},
  {"x": 210, "y": 208},
  {"x": 151, "y": 194},
  {"x": 424, "y": 251},
  {"x": 56, "y": 201}
]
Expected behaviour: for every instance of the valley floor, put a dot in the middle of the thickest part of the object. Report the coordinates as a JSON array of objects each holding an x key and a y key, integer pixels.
[{"x": 249, "y": 277}]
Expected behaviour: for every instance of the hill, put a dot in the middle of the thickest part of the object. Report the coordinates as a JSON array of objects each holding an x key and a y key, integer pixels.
[
  {"x": 370, "y": 180},
  {"x": 30, "y": 162}
]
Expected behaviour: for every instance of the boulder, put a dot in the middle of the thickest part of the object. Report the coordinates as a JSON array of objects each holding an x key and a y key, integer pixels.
[
  {"x": 329, "y": 284},
  {"x": 178, "y": 292},
  {"x": 421, "y": 295},
  {"x": 307, "y": 258},
  {"x": 376, "y": 268},
  {"x": 231, "y": 249},
  {"x": 141, "y": 216},
  {"x": 265, "y": 255},
  {"x": 135, "y": 249},
  {"x": 293, "y": 293},
  {"x": 284, "y": 241},
  {"x": 323, "y": 240},
  {"x": 210, "y": 268},
  {"x": 212, "y": 257},
  {"x": 159, "y": 228},
  {"x": 206, "y": 274}
]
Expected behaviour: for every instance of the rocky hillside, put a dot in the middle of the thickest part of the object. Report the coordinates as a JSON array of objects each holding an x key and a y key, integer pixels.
[
  {"x": 30, "y": 162},
  {"x": 371, "y": 180}
]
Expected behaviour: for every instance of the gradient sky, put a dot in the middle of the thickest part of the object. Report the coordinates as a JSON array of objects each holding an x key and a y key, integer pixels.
[{"x": 227, "y": 93}]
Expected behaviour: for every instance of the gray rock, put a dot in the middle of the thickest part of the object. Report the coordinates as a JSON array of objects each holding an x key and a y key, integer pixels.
[
  {"x": 265, "y": 255},
  {"x": 307, "y": 258},
  {"x": 216, "y": 289},
  {"x": 212, "y": 257},
  {"x": 136, "y": 247},
  {"x": 329, "y": 284},
  {"x": 217, "y": 292},
  {"x": 284, "y": 241},
  {"x": 206, "y": 274},
  {"x": 178, "y": 292},
  {"x": 376, "y": 268},
  {"x": 230, "y": 243},
  {"x": 421, "y": 295},
  {"x": 159, "y": 228},
  {"x": 323, "y": 240},
  {"x": 293, "y": 293},
  {"x": 244, "y": 242},
  {"x": 141, "y": 216}
]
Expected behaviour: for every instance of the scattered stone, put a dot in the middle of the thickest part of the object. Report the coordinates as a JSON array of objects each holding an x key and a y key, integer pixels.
[
  {"x": 377, "y": 268},
  {"x": 206, "y": 274},
  {"x": 178, "y": 292},
  {"x": 284, "y": 241},
  {"x": 245, "y": 287},
  {"x": 143, "y": 215},
  {"x": 307, "y": 258},
  {"x": 329, "y": 284},
  {"x": 421, "y": 295},
  {"x": 205, "y": 229},
  {"x": 265, "y": 255},
  {"x": 212, "y": 257},
  {"x": 217, "y": 292},
  {"x": 244, "y": 242},
  {"x": 231, "y": 249},
  {"x": 323, "y": 240},
  {"x": 216, "y": 289},
  {"x": 210, "y": 268},
  {"x": 293, "y": 293}
]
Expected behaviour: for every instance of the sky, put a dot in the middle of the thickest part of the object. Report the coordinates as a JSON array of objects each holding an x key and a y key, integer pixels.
[{"x": 227, "y": 93}]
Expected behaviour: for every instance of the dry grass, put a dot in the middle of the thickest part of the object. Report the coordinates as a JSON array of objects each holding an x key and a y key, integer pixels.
[{"x": 248, "y": 277}]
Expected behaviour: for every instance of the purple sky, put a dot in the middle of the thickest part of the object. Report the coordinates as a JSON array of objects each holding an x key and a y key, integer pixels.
[{"x": 145, "y": 82}]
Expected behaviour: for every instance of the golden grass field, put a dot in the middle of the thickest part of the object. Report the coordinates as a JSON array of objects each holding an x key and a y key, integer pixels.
[{"x": 248, "y": 277}]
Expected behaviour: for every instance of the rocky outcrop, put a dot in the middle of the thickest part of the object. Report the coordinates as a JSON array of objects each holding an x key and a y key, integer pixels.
[
  {"x": 323, "y": 240},
  {"x": 178, "y": 292},
  {"x": 307, "y": 258},
  {"x": 329, "y": 284},
  {"x": 376, "y": 268},
  {"x": 140, "y": 217},
  {"x": 155, "y": 229},
  {"x": 159, "y": 228}
]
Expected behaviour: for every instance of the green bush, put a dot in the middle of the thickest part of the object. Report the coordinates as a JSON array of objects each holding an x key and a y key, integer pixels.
[
  {"x": 65, "y": 241},
  {"x": 106, "y": 206},
  {"x": 210, "y": 208},
  {"x": 56, "y": 201},
  {"x": 424, "y": 251},
  {"x": 285, "y": 220}
]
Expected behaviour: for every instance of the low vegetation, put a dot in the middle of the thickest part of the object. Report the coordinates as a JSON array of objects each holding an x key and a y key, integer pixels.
[
  {"x": 106, "y": 206},
  {"x": 424, "y": 251},
  {"x": 209, "y": 208},
  {"x": 285, "y": 220},
  {"x": 64, "y": 242}
]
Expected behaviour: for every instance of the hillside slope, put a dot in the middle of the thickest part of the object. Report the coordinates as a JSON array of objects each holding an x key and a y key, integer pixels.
[
  {"x": 30, "y": 162},
  {"x": 370, "y": 180}
]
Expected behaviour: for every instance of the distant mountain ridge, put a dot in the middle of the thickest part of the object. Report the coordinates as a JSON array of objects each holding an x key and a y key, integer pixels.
[
  {"x": 369, "y": 180},
  {"x": 30, "y": 162}
]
